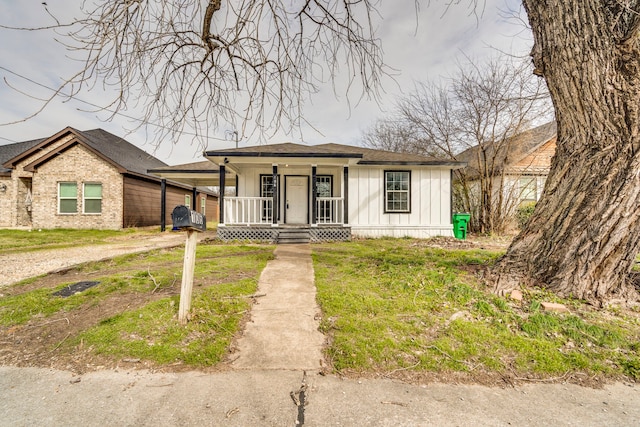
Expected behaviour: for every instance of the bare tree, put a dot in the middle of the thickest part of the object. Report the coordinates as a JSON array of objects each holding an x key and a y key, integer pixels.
[
  {"x": 473, "y": 118},
  {"x": 194, "y": 64},
  {"x": 583, "y": 236}
]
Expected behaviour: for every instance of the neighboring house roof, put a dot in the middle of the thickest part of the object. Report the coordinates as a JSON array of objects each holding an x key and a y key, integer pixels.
[
  {"x": 362, "y": 156},
  {"x": 198, "y": 174},
  {"x": 515, "y": 151},
  {"x": 113, "y": 149},
  {"x": 9, "y": 151}
]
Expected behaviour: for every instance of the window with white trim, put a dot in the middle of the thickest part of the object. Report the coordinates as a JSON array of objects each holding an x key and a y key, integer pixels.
[
  {"x": 92, "y": 198},
  {"x": 67, "y": 197},
  {"x": 203, "y": 204},
  {"x": 187, "y": 200},
  {"x": 397, "y": 191}
]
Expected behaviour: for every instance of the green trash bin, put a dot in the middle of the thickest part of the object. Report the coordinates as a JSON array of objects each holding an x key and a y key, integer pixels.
[{"x": 460, "y": 222}]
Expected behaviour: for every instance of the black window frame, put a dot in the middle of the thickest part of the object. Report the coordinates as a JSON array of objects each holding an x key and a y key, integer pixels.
[
  {"x": 408, "y": 192},
  {"x": 265, "y": 205},
  {"x": 324, "y": 209}
]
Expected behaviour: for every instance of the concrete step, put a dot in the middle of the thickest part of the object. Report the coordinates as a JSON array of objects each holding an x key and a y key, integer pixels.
[{"x": 293, "y": 236}]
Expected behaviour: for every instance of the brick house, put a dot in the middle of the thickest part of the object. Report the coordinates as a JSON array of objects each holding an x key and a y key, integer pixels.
[
  {"x": 88, "y": 179},
  {"x": 523, "y": 165}
]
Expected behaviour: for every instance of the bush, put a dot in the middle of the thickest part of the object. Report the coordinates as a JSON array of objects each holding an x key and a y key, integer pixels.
[{"x": 524, "y": 213}]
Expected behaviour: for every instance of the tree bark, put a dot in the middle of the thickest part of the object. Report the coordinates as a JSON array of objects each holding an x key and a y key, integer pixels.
[{"x": 584, "y": 235}]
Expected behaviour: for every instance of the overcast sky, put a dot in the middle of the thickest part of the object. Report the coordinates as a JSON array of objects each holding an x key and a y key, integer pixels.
[{"x": 422, "y": 48}]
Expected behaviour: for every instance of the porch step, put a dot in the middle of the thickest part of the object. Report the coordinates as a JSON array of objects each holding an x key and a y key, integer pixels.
[{"x": 293, "y": 236}]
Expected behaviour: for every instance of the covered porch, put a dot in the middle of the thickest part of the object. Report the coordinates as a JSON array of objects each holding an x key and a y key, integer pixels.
[
  {"x": 283, "y": 193},
  {"x": 272, "y": 195}
]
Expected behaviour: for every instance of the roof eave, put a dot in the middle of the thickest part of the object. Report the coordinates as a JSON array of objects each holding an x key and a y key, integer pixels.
[
  {"x": 261, "y": 154},
  {"x": 452, "y": 165}
]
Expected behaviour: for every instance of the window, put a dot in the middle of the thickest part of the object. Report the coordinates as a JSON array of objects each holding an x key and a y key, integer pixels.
[
  {"x": 203, "y": 204},
  {"x": 397, "y": 190},
  {"x": 266, "y": 190},
  {"x": 187, "y": 200},
  {"x": 92, "y": 198},
  {"x": 528, "y": 189},
  {"x": 324, "y": 188},
  {"x": 67, "y": 197}
]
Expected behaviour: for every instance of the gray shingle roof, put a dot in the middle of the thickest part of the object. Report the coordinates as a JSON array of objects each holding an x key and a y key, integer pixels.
[
  {"x": 9, "y": 151},
  {"x": 366, "y": 156},
  {"x": 117, "y": 150},
  {"x": 122, "y": 152}
]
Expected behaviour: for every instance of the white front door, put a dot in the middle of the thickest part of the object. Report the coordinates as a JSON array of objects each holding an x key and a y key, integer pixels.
[{"x": 296, "y": 199}]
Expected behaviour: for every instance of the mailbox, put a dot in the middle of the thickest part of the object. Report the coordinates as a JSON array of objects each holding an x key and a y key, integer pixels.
[{"x": 187, "y": 219}]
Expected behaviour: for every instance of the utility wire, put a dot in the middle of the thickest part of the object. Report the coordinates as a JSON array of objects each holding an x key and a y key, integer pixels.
[{"x": 96, "y": 106}]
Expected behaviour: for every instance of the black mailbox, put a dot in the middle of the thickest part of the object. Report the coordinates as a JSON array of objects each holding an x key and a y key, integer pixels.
[{"x": 185, "y": 218}]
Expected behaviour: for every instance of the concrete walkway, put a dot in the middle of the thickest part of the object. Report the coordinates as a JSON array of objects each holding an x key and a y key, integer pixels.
[{"x": 283, "y": 331}]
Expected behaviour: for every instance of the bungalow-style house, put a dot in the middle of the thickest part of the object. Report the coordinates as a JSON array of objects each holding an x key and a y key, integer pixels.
[
  {"x": 88, "y": 179},
  {"x": 324, "y": 192}
]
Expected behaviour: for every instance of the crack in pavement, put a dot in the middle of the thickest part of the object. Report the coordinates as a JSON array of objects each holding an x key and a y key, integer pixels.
[{"x": 299, "y": 398}]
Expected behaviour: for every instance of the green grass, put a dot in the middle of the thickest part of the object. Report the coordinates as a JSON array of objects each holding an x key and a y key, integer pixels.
[
  {"x": 392, "y": 304},
  {"x": 12, "y": 241},
  {"x": 388, "y": 305},
  {"x": 224, "y": 276},
  {"x": 153, "y": 333}
]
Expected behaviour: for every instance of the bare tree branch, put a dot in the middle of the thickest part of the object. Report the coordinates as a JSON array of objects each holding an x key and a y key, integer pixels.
[
  {"x": 481, "y": 107},
  {"x": 193, "y": 65}
]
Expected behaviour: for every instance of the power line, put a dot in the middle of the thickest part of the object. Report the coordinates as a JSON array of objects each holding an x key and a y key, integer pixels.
[{"x": 96, "y": 106}]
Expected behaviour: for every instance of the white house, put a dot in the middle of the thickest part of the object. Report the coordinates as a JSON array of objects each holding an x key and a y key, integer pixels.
[{"x": 325, "y": 192}]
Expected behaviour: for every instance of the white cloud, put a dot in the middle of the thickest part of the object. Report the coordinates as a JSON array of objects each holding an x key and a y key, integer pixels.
[{"x": 420, "y": 48}]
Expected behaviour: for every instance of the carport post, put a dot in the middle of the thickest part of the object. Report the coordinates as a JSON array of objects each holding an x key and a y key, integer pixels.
[
  {"x": 163, "y": 204},
  {"x": 187, "y": 276}
]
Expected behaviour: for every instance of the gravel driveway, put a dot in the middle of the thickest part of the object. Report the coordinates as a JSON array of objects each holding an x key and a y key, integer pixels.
[{"x": 16, "y": 267}]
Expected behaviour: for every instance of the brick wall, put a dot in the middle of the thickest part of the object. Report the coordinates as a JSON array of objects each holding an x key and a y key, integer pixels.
[
  {"x": 539, "y": 159},
  {"x": 79, "y": 165},
  {"x": 6, "y": 202}
]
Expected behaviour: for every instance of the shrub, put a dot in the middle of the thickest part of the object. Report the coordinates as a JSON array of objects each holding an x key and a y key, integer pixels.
[{"x": 524, "y": 213}]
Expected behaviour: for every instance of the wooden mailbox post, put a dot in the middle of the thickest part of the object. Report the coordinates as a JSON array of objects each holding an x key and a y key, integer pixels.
[{"x": 193, "y": 222}]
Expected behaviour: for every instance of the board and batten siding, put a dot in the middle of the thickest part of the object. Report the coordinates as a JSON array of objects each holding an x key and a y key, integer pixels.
[{"x": 430, "y": 204}]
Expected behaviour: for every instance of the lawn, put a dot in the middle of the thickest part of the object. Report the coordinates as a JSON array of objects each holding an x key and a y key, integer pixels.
[
  {"x": 401, "y": 306},
  {"x": 132, "y": 313}
]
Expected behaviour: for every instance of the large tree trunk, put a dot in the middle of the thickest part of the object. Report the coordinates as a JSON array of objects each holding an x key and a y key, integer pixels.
[{"x": 584, "y": 234}]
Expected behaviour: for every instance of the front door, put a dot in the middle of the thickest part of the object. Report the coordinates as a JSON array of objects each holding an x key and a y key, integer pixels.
[{"x": 296, "y": 199}]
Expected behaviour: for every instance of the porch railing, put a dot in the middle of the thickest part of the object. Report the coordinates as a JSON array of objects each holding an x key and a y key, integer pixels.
[
  {"x": 259, "y": 210},
  {"x": 248, "y": 210},
  {"x": 329, "y": 210}
]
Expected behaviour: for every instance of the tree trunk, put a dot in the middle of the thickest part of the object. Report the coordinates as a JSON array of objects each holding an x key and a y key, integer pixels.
[{"x": 584, "y": 235}]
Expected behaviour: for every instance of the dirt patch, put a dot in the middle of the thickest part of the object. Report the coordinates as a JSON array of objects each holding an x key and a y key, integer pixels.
[
  {"x": 485, "y": 378},
  {"x": 473, "y": 242}
]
